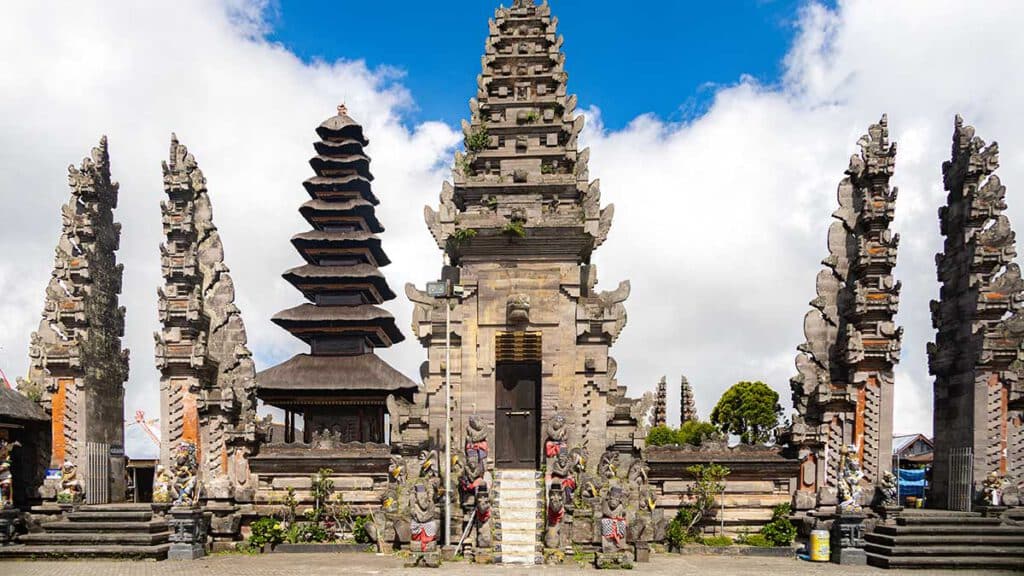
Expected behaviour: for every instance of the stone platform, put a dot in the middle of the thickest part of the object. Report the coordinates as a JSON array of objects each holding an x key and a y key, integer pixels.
[{"x": 97, "y": 531}]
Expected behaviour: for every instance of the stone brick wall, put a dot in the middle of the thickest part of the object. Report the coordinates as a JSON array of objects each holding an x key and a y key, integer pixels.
[{"x": 759, "y": 479}]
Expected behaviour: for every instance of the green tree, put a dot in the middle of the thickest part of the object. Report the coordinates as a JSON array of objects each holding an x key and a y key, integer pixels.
[
  {"x": 694, "y": 432},
  {"x": 750, "y": 410}
]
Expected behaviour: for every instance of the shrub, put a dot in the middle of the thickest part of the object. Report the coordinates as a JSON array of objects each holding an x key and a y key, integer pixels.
[
  {"x": 661, "y": 436},
  {"x": 359, "y": 532},
  {"x": 678, "y": 531},
  {"x": 514, "y": 229},
  {"x": 780, "y": 531},
  {"x": 266, "y": 530},
  {"x": 716, "y": 541},
  {"x": 758, "y": 540},
  {"x": 694, "y": 432},
  {"x": 478, "y": 140}
]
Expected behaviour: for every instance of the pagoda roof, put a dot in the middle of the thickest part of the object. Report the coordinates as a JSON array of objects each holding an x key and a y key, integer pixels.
[
  {"x": 358, "y": 207},
  {"x": 308, "y": 276},
  {"x": 308, "y": 320},
  {"x": 325, "y": 186},
  {"x": 321, "y": 239},
  {"x": 346, "y": 147},
  {"x": 341, "y": 126},
  {"x": 363, "y": 372},
  {"x": 357, "y": 162}
]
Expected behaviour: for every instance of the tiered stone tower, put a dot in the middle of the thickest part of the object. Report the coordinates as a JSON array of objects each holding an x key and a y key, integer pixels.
[
  {"x": 207, "y": 384},
  {"x": 843, "y": 393},
  {"x": 78, "y": 367},
  {"x": 661, "y": 403},
  {"x": 687, "y": 406},
  {"x": 979, "y": 394},
  {"x": 530, "y": 333},
  {"x": 341, "y": 387}
]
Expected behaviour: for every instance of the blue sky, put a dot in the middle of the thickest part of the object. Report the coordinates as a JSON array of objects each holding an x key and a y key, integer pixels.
[{"x": 627, "y": 58}]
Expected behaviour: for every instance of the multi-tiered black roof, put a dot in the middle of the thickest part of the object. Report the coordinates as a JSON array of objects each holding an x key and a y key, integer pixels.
[{"x": 342, "y": 321}]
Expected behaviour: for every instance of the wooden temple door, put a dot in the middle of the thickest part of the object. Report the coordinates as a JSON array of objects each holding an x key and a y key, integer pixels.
[{"x": 517, "y": 415}]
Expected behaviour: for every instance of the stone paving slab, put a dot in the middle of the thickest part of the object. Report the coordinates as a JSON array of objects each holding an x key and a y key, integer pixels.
[{"x": 353, "y": 564}]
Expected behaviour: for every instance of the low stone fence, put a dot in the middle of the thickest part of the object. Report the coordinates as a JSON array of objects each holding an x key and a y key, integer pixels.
[{"x": 760, "y": 478}]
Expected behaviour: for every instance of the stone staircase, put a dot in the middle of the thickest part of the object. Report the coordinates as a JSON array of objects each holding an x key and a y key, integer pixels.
[
  {"x": 519, "y": 516},
  {"x": 934, "y": 539},
  {"x": 97, "y": 531}
]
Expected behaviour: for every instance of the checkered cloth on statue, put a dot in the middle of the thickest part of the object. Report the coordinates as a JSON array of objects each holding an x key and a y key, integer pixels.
[
  {"x": 613, "y": 529},
  {"x": 423, "y": 532}
]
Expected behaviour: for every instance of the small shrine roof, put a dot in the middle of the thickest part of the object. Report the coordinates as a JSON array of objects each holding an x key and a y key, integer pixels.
[
  {"x": 343, "y": 126},
  {"x": 16, "y": 406}
]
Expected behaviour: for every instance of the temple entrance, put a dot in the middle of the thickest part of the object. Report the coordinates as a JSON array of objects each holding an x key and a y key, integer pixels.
[{"x": 517, "y": 415}]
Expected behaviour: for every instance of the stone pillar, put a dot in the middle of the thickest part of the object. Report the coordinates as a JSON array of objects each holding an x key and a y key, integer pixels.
[
  {"x": 847, "y": 539},
  {"x": 188, "y": 536}
]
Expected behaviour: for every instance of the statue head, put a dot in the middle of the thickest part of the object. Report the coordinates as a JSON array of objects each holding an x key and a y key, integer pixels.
[
  {"x": 422, "y": 497},
  {"x": 556, "y": 497},
  {"x": 483, "y": 499},
  {"x": 614, "y": 498}
]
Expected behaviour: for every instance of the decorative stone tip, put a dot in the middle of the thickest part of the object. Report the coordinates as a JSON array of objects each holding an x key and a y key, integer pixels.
[{"x": 342, "y": 109}]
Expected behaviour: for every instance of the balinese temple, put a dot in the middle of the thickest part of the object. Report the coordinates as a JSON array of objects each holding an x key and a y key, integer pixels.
[
  {"x": 77, "y": 367},
  {"x": 843, "y": 392},
  {"x": 979, "y": 392},
  {"x": 518, "y": 225},
  {"x": 207, "y": 383},
  {"x": 340, "y": 388}
]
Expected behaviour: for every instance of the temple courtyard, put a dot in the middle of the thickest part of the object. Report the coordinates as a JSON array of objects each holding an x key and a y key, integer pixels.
[{"x": 317, "y": 564}]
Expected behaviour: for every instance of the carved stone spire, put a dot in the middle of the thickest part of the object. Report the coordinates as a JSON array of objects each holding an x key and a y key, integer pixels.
[
  {"x": 979, "y": 319},
  {"x": 77, "y": 365},
  {"x": 207, "y": 374},
  {"x": 661, "y": 403},
  {"x": 687, "y": 406},
  {"x": 842, "y": 393}
]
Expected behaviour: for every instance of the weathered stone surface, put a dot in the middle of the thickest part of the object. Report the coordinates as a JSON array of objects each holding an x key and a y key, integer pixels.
[
  {"x": 77, "y": 366},
  {"x": 207, "y": 385},
  {"x": 842, "y": 393},
  {"x": 687, "y": 406},
  {"x": 979, "y": 319}
]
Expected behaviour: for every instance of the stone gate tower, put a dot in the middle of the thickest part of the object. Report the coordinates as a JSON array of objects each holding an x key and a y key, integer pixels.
[{"x": 530, "y": 334}]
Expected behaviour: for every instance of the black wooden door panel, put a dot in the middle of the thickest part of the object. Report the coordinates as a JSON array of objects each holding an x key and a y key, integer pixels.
[{"x": 517, "y": 415}]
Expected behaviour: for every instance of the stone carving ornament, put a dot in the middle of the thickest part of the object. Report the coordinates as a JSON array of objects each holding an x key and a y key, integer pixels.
[
  {"x": 850, "y": 476},
  {"x": 6, "y": 478},
  {"x": 555, "y": 516},
  {"x": 71, "y": 489},
  {"x": 613, "y": 521}
]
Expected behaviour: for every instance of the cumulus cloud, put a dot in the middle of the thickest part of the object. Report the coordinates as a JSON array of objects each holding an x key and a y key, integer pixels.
[{"x": 720, "y": 222}]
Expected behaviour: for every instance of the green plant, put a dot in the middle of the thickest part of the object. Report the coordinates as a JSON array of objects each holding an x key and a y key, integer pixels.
[
  {"x": 661, "y": 436},
  {"x": 514, "y": 229},
  {"x": 532, "y": 116},
  {"x": 547, "y": 169},
  {"x": 709, "y": 482},
  {"x": 322, "y": 488},
  {"x": 694, "y": 432},
  {"x": 291, "y": 504},
  {"x": 490, "y": 202},
  {"x": 465, "y": 165},
  {"x": 359, "y": 533},
  {"x": 758, "y": 540},
  {"x": 716, "y": 541},
  {"x": 678, "y": 531},
  {"x": 264, "y": 531},
  {"x": 780, "y": 531},
  {"x": 478, "y": 140},
  {"x": 750, "y": 410}
]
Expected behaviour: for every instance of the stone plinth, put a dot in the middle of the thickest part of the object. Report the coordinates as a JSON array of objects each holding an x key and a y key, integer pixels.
[
  {"x": 613, "y": 561},
  {"x": 991, "y": 511},
  {"x": 9, "y": 518},
  {"x": 847, "y": 539},
  {"x": 429, "y": 559},
  {"x": 642, "y": 551},
  {"x": 188, "y": 533}
]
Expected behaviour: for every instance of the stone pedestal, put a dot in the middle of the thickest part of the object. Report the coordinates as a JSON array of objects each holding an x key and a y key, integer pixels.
[
  {"x": 188, "y": 533},
  {"x": 9, "y": 518},
  {"x": 991, "y": 511},
  {"x": 642, "y": 552},
  {"x": 613, "y": 561},
  {"x": 847, "y": 539},
  {"x": 225, "y": 521},
  {"x": 428, "y": 559}
]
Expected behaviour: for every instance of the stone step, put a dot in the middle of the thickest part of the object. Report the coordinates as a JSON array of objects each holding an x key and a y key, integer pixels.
[
  {"x": 956, "y": 562},
  {"x": 932, "y": 520},
  {"x": 520, "y": 536},
  {"x": 117, "y": 507},
  {"x": 926, "y": 513},
  {"x": 947, "y": 550},
  {"x": 105, "y": 516},
  {"x": 158, "y": 551},
  {"x": 84, "y": 526},
  {"x": 90, "y": 538},
  {"x": 524, "y": 484},
  {"x": 944, "y": 539},
  {"x": 942, "y": 530},
  {"x": 518, "y": 515}
]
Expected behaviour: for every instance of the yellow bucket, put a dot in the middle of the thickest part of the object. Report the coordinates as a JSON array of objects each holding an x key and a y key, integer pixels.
[{"x": 819, "y": 546}]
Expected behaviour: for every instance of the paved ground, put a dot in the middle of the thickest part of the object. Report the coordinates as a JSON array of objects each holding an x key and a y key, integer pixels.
[{"x": 356, "y": 564}]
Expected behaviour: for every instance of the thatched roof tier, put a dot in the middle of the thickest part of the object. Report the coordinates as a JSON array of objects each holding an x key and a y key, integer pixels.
[
  {"x": 16, "y": 406},
  {"x": 364, "y": 372}
]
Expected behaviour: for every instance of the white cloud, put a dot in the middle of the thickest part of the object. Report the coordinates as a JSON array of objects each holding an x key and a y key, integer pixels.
[{"x": 720, "y": 222}]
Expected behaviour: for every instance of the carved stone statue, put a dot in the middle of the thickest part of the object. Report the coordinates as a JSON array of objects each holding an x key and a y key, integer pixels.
[
  {"x": 557, "y": 433},
  {"x": 6, "y": 478},
  {"x": 613, "y": 521},
  {"x": 396, "y": 470},
  {"x": 162, "y": 485},
  {"x": 423, "y": 525},
  {"x": 888, "y": 490},
  {"x": 850, "y": 476},
  {"x": 71, "y": 489},
  {"x": 992, "y": 489},
  {"x": 556, "y": 513},
  {"x": 482, "y": 517},
  {"x": 184, "y": 482},
  {"x": 607, "y": 467},
  {"x": 518, "y": 309},
  {"x": 388, "y": 525}
]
